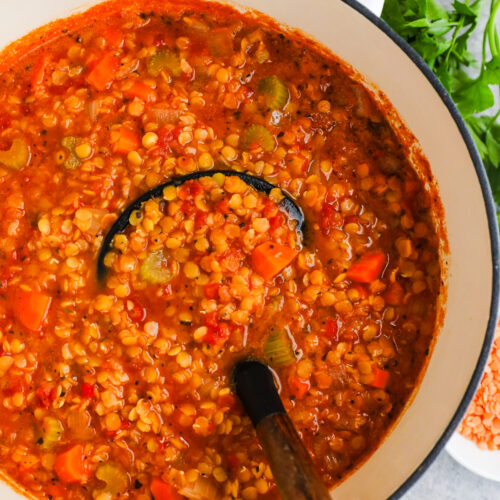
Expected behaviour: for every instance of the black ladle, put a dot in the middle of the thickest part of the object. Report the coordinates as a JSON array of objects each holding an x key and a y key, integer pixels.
[
  {"x": 287, "y": 204},
  {"x": 292, "y": 468}
]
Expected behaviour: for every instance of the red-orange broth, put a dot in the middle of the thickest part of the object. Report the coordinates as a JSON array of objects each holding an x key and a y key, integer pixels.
[{"x": 124, "y": 390}]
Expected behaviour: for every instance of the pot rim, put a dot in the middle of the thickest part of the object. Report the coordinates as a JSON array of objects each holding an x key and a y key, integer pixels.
[{"x": 490, "y": 208}]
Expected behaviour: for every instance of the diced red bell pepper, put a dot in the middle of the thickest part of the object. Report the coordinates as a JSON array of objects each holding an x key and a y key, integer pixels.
[
  {"x": 200, "y": 220},
  {"x": 332, "y": 330},
  {"x": 88, "y": 390},
  {"x": 330, "y": 219},
  {"x": 135, "y": 311},
  {"x": 46, "y": 393},
  {"x": 276, "y": 222},
  {"x": 211, "y": 291},
  {"x": 231, "y": 260},
  {"x": 298, "y": 386},
  {"x": 368, "y": 268}
]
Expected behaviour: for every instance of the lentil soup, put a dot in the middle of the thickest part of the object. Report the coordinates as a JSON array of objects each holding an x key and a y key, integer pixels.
[{"x": 122, "y": 388}]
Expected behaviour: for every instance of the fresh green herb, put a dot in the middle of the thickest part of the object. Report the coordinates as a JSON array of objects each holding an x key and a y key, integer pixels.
[{"x": 441, "y": 37}]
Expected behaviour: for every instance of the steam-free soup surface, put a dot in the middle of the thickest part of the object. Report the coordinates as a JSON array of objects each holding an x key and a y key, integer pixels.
[{"x": 122, "y": 389}]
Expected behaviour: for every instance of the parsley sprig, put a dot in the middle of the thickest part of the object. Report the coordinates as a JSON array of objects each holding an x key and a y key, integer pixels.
[{"x": 442, "y": 38}]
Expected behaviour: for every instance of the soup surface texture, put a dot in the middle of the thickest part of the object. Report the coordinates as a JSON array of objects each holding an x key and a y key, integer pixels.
[{"x": 122, "y": 388}]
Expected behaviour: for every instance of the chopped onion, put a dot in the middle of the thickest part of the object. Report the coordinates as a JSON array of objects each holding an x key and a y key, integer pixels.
[
  {"x": 93, "y": 110},
  {"x": 165, "y": 116},
  {"x": 202, "y": 489}
]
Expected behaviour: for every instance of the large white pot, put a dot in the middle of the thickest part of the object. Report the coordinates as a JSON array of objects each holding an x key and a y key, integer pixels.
[{"x": 459, "y": 356}]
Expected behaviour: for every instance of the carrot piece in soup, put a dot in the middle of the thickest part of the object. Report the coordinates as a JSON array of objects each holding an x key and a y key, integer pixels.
[
  {"x": 71, "y": 465},
  {"x": 380, "y": 378},
  {"x": 269, "y": 258},
  {"x": 124, "y": 140},
  {"x": 163, "y": 491},
  {"x": 31, "y": 308},
  {"x": 368, "y": 268},
  {"x": 141, "y": 91},
  {"x": 103, "y": 72}
]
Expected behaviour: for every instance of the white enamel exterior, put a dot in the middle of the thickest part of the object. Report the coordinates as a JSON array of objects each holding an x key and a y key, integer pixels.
[{"x": 356, "y": 40}]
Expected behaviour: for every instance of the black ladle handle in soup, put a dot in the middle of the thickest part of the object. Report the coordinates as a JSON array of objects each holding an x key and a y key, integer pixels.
[
  {"x": 287, "y": 204},
  {"x": 292, "y": 467}
]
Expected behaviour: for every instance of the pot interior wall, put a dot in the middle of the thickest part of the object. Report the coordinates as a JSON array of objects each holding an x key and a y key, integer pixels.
[{"x": 356, "y": 40}]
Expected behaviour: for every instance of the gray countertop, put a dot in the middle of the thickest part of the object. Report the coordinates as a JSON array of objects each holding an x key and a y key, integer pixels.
[{"x": 446, "y": 479}]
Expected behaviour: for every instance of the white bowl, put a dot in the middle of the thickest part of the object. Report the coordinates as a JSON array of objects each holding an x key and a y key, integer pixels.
[
  {"x": 485, "y": 463},
  {"x": 461, "y": 350}
]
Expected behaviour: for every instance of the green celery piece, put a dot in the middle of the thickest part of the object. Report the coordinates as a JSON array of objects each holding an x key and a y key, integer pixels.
[
  {"x": 52, "y": 431},
  {"x": 258, "y": 134},
  {"x": 278, "y": 349},
  {"x": 164, "y": 59},
  {"x": 276, "y": 92}
]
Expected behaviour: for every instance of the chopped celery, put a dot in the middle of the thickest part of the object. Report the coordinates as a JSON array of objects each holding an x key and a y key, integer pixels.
[
  {"x": 116, "y": 479},
  {"x": 278, "y": 348},
  {"x": 154, "y": 269},
  {"x": 17, "y": 157},
  {"x": 275, "y": 90},
  {"x": 52, "y": 430},
  {"x": 164, "y": 59},
  {"x": 72, "y": 161},
  {"x": 258, "y": 135}
]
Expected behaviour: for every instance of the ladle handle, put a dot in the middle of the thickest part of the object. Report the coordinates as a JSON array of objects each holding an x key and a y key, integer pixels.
[{"x": 293, "y": 470}]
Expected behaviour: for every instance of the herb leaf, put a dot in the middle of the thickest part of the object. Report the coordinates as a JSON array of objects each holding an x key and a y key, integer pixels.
[{"x": 441, "y": 37}]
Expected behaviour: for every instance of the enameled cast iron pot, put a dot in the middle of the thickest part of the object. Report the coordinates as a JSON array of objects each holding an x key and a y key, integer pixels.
[{"x": 460, "y": 353}]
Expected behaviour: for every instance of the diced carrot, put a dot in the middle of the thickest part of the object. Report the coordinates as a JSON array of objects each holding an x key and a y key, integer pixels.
[
  {"x": 104, "y": 71},
  {"x": 380, "y": 378},
  {"x": 269, "y": 258},
  {"x": 394, "y": 296},
  {"x": 124, "y": 140},
  {"x": 71, "y": 465},
  {"x": 298, "y": 386},
  {"x": 31, "y": 308},
  {"x": 163, "y": 491},
  {"x": 368, "y": 268},
  {"x": 39, "y": 71},
  {"x": 141, "y": 91},
  {"x": 114, "y": 37}
]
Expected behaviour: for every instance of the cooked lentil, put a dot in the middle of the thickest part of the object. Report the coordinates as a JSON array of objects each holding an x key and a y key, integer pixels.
[{"x": 124, "y": 390}]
